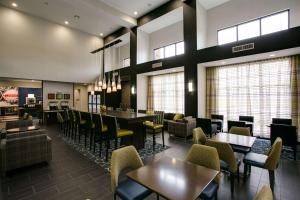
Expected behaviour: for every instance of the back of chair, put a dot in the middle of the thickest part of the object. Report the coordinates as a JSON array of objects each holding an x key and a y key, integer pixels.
[
  {"x": 274, "y": 155},
  {"x": 112, "y": 125},
  {"x": 264, "y": 194},
  {"x": 205, "y": 156},
  {"x": 231, "y": 123},
  {"x": 97, "y": 120},
  {"x": 281, "y": 121},
  {"x": 142, "y": 111},
  {"x": 87, "y": 117},
  {"x": 71, "y": 115},
  {"x": 60, "y": 119},
  {"x": 121, "y": 159},
  {"x": 66, "y": 115},
  {"x": 160, "y": 117},
  {"x": 205, "y": 124},
  {"x": 225, "y": 153},
  {"x": 287, "y": 133},
  {"x": 215, "y": 116},
  {"x": 246, "y": 118},
  {"x": 199, "y": 136},
  {"x": 77, "y": 116},
  {"x": 240, "y": 131}
]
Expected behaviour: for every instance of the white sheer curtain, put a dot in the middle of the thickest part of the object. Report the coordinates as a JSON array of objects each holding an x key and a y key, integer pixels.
[
  {"x": 168, "y": 92},
  {"x": 260, "y": 89}
]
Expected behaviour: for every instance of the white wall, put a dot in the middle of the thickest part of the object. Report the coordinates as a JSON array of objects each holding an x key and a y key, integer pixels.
[
  {"x": 34, "y": 48},
  {"x": 54, "y": 87},
  {"x": 238, "y": 11},
  {"x": 165, "y": 36},
  {"x": 201, "y": 90},
  {"x": 143, "y": 48},
  {"x": 141, "y": 91},
  {"x": 201, "y": 26}
]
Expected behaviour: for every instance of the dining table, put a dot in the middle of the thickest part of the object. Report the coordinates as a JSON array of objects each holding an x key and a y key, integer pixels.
[
  {"x": 22, "y": 129},
  {"x": 235, "y": 140},
  {"x": 132, "y": 121},
  {"x": 174, "y": 179}
]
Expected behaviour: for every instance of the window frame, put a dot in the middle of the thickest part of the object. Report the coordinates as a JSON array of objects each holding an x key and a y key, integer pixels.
[
  {"x": 164, "y": 49},
  {"x": 259, "y": 18}
]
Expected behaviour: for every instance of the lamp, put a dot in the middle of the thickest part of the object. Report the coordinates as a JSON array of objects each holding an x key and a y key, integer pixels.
[
  {"x": 190, "y": 86},
  {"x": 119, "y": 86},
  {"x": 104, "y": 86},
  {"x": 108, "y": 85},
  {"x": 113, "y": 83},
  {"x": 132, "y": 90}
]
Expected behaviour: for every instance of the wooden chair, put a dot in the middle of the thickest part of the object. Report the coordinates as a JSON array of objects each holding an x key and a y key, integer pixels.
[
  {"x": 156, "y": 127},
  {"x": 122, "y": 159},
  {"x": 208, "y": 157},
  {"x": 228, "y": 162},
  {"x": 269, "y": 162}
]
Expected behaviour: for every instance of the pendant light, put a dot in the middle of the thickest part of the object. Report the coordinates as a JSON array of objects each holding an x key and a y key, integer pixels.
[
  {"x": 100, "y": 78},
  {"x": 108, "y": 85},
  {"x": 119, "y": 86},
  {"x": 113, "y": 83}
]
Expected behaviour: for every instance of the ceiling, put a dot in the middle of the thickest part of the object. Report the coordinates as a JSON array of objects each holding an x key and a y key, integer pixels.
[{"x": 208, "y": 4}]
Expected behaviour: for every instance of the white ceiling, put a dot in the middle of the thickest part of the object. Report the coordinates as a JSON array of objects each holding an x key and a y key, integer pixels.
[
  {"x": 163, "y": 21},
  {"x": 208, "y": 4}
]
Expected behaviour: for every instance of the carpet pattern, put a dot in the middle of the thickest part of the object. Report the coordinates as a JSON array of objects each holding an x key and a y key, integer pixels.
[
  {"x": 94, "y": 156},
  {"x": 262, "y": 146}
]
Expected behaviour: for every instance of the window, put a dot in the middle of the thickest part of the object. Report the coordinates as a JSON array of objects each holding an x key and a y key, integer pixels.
[
  {"x": 274, "y": 23},
  {"x": 159, "y": 53},
  {"x": 227, "y": 35},
  {"x": 262, "y": 26},
  {"x": 166, "y": 92},
  {"x": 249, "y": 30},
  {"x": 180, "y": 48},
  {"x": 126, "y": 62},
  {"x": 261, "y": 89},
  {"x": 94, "y": 102},
  {"x": 169, "y": 51}
]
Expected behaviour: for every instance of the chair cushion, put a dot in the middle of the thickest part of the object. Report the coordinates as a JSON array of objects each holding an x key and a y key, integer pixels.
[
  {"x": 240, "y": 149},
  {"x": 148, "y": 123},
  {"x": 178, "y": 116},
  {"x": 224, "y": 165},
  {"x": 104, "y": 128},
  {"x": 255, "y": 159},
  {"x": 210, "y": 191},
  {"x": 130, "y": 190},
  {"x": 124, "y": 132}
]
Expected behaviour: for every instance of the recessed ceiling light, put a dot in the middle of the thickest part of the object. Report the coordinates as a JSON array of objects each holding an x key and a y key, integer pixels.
[
  {"x": 135, "y": 13},
  {"x": 101, "y": 34},
  {"x": 14, "y": 4},
  {"x": 77, "y": 17},
  {"x": 66, "y": 22},
  {"x": 272, "y": 55}
]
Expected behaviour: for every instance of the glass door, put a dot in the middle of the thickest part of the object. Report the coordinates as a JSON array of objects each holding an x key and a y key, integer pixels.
[{"x": 94, "y": 102}]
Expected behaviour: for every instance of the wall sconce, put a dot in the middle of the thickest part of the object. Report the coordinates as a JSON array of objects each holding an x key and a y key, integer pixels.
[
  {"x": 190, "y": 86},
  {"x": 132, "y": 90}
]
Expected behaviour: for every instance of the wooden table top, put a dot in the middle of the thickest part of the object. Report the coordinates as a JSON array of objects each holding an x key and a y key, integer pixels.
[
  {"x": 174, "y": 179},
  {"x": 234, "y": 139},
  {"x": 128, "y": 115},
  {"x": 22, "y": 129}
]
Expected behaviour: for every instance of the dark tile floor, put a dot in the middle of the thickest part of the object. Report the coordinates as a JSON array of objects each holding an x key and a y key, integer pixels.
[{"x": 71, "y": 176}]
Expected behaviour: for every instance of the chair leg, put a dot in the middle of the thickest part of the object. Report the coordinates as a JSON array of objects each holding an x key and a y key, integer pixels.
[
  {"x": 232, "y": 182},
  {"x": 107, "y": 147},
  {"x": 245, "y": 171},
  {"x": 116, "y": 143},
  {"x": 91, "y": 138},
  {"x": 153, "y": 145},
  {"x": 115, "y": 196},
  {"x": 163, "y": 137},
  {"x": 272, "y": 179},
  {"x": 238, "y": 173},
  {"x": 100, "y": 148},
  {"x": 157, "y": 196}
]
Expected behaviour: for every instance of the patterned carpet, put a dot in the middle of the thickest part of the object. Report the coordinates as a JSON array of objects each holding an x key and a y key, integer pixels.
[
  {"x": 262, "y": 146},
  {"x": 144, "y": 153}
]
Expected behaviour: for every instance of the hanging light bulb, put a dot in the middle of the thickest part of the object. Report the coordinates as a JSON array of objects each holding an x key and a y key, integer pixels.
[
  {"x": 114, "y": 88},
  {"x": 108, "y": 85},
  {"x": 119, "y": 87},
  {"x": 113, "y": 83},
  {"x": 104, "y": 83}
]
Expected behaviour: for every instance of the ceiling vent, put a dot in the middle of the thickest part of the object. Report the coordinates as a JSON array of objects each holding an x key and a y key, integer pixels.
[{"x": 244, "y": 47}]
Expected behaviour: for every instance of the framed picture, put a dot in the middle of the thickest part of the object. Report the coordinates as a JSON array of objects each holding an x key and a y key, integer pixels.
[
  {"x": 67, "y": 96},
  {"x": 51, "y": 96},
  {"x": 59, "y": 95}
]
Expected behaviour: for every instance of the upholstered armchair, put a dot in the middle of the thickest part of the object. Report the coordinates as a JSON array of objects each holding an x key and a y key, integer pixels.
[
  {"x": 182, "y": 128},
  {"x": 126, "y": 158},
  {"x": 199, "y": 136}
]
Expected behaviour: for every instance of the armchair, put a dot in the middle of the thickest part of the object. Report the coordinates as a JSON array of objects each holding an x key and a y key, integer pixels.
[{"x": 182, "y": 128}]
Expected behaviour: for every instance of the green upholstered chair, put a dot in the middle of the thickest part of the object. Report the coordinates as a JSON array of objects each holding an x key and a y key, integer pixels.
[
  {"x": 240, "y": 131},
  {"x": 100, "y": 132},
  {"x": 208, "y": 157},
  {"x": 269, "y": 162},
  {"x": 72, "y": 123},
  {"x": 228, "y": 162},
  {"x": 155, "y": 127},
  {"x": 265, "y": 193},
  {"x": 114, "y": 132},
  {"x": 199, "y": 136},
  {"x": 60, "y": 120},
  {"x": 121, "y": 160}
]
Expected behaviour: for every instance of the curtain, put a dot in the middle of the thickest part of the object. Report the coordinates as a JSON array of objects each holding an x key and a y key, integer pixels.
[
  {"x": 260, "y": 89},
  {"x": 295, "y": 87},
  {"x": 211, "y": 91},
  {"x": 150, "y": 94},
  {"x": 166, "y": 92}
]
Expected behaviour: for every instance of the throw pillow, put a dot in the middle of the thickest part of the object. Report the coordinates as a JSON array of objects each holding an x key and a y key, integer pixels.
[{"x": 177, "y": 116}]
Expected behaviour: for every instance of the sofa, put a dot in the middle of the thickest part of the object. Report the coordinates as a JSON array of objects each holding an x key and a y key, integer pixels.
[
  {"x": 24, "y": 149},
  {"x": 182, "y": 128},
  {"x": 170, "y": 117},
  {"x": 18, "y": 123}
]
